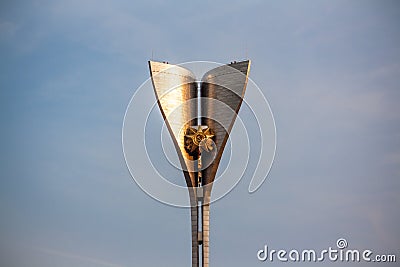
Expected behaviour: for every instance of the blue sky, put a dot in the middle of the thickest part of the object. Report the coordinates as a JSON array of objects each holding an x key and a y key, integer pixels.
[{"x": 330, "y": 71}]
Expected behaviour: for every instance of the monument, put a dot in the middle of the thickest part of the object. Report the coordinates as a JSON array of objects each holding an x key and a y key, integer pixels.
[{"x": 199, "y": 115}]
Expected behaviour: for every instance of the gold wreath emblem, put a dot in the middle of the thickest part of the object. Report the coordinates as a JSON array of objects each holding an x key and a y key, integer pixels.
[{"x": 200, "y": 138}]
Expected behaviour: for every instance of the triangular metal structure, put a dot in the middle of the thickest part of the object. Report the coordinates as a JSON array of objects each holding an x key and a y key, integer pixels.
[{"x": 220, "y": 93}]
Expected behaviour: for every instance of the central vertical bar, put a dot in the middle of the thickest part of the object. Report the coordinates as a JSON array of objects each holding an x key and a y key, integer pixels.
[
  {"x": 198, "y": 84},
  {"x": 199, "y": 175},
  {"x": 200, "y": 234}
]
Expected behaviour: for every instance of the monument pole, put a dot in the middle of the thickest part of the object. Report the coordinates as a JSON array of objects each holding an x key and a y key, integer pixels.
[{"x": 199, "y": 145}]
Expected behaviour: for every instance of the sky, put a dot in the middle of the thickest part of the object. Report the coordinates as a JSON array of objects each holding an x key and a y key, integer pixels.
[{"x": 329, "y": 69}]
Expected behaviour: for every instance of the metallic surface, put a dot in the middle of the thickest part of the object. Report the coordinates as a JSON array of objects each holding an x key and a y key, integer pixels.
[
  {"x": 174, "y": 87},
  {"x": 222, "y": 92},
  {"x": 227, "y": 85}
]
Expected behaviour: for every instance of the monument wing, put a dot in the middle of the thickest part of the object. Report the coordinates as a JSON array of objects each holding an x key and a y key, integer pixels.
[
  {"x": 222, "y": 92},
  {"x": 176, "y": 91}
]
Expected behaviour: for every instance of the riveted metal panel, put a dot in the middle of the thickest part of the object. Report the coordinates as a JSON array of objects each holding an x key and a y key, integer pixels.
[{"x": 222, "y": 92}]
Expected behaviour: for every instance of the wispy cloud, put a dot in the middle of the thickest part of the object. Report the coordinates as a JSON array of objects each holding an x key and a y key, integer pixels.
[{"x": 79, "y": 258}]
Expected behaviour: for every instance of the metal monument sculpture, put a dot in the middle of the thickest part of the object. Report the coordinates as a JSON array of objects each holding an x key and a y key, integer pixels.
[{"x": 199, "y": 116}]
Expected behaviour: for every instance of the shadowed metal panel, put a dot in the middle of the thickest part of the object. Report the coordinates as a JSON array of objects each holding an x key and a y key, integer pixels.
[
  {"x": 226, "y": 84},
  {"x": 176, "y": 93}
]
